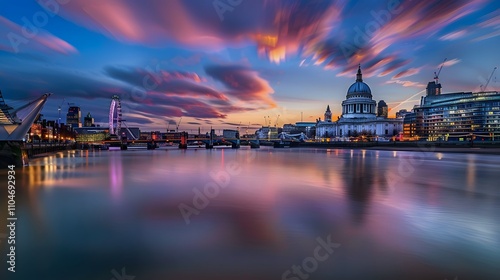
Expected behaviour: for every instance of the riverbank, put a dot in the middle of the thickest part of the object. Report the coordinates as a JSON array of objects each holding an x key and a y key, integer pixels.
[{"x": 443, "y": 147}]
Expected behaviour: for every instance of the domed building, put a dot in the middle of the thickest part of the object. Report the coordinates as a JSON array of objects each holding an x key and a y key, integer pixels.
[{"x": 360, "y": 116}]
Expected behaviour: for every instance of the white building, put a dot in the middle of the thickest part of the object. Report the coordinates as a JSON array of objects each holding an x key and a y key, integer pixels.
[{"x": 359, "y": 116}]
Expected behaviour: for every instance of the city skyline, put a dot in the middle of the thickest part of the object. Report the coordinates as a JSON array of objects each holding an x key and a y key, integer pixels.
[{"x": 232, "y": 63}]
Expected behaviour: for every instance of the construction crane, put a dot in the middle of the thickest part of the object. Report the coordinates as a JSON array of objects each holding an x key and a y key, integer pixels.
[
  {"x": 59, "y": 110},
  {"x": 483, "y": 88},
  {"x": 436, "y": 75},
  {"x": 276, "y": 123},
  {"x": 177, "y": 127}
]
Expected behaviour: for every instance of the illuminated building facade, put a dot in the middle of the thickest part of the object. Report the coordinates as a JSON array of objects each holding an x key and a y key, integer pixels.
[
  {"x": 455, "y": 116},
  {"x": 360, "y": 116},
  {"x": 74, "y": 117}
]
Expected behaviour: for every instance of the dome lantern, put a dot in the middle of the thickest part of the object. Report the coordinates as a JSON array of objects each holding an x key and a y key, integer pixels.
[{"x": 359, "y": 88}]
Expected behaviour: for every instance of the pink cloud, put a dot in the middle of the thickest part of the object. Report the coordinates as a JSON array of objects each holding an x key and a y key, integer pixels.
[
  {"x": 491, "y": 20},
  {"x": 406, "y": 83},
  {"x": 487, "y": 36},
  {"x": 416, "y": 20},
  {"x": 407, "y": 73},
  {"x": 15, "y": 39},
  {"x": 243, "y": 83},
  {"x": 453, "y": 35},
  {"x": 449, "y": 62},
  {"x": 278, "y": 29}
]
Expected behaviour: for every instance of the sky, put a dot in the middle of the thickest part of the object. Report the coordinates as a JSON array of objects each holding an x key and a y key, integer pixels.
[{"x": 239, "y": 63}]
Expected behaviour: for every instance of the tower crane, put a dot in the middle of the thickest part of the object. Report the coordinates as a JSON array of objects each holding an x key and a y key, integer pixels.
[
  {"x": 436, "y": 75},
  {"x": 276, "y": 123},
  {"x": 177, "y": 127},
  {"x": 483, "y": 88}
]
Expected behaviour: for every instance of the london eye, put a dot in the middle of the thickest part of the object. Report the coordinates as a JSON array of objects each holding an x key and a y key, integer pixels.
[{"x": 115, "y": 116}]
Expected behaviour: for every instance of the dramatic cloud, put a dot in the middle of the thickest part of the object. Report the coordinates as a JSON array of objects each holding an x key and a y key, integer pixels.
[
  {"x": 338, "y": 34},
  {"x": 189, "y": 92},
  {"x": 407, "y": 73},
  {"x": 278, "y": 28},
  {"x": 450, "y": 62},
  {"x": 453, "y": 35},
  {"x": 16, "y": 38},
  {"x": 243, "y": 83},
  {"x": 406, "y": 83},
  {"x": 375, "y": 37},
  {"x": 167, "y": 82},
  {"x": 491, "y": 20}
]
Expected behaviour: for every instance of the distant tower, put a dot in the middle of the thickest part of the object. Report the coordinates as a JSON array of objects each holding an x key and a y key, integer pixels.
[
  {"x": 88, "y": 121},
  {"x": 328, "y": 114},
  {"x": 382, "y": 109},
  {"x": 74, "y": 116}
]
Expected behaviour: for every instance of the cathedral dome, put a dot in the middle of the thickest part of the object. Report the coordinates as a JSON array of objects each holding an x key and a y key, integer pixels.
[
  {"x": 359, "y": 102},
  {"x": 359, "y": 87}
]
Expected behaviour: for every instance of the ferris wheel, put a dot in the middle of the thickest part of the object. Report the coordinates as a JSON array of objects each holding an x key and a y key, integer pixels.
[{"x": 115, "y": 116}]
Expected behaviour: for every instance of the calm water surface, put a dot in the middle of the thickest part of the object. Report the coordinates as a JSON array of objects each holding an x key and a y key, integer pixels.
[{"x": 392, "y": 215}]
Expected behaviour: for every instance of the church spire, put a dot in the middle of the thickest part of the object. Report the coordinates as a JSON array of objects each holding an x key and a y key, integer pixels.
[
  {"x": 359, "y": 76},
  {"x": 328, "y": 114}
]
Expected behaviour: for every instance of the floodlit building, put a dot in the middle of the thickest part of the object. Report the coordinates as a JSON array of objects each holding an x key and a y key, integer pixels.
[
  {"x": 88, "y": 121},
  {"x": 360, "y": 116},
  {"x": 454, "y": 116},
  {"x": 74, "y": 116}
]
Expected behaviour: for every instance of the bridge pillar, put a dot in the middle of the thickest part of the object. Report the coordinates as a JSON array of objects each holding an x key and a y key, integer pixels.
[
  {"x": 209, "y": 145},
  {"x": 236, "y": 144},
  {"x": 255, "y": 144},
  {"x": 151, "y": 145},
  {"x": 11, "y": 153},
  {"x": 184, "y": 138}
]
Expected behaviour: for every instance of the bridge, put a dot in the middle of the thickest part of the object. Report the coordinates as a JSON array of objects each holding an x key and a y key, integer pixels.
[
  {"x": 14, "y": 125},
  {"x": 185, "y": 140}
]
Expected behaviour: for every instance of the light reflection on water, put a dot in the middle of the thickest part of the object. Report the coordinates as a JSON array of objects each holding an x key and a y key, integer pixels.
[{"x": 395, "y": 214}]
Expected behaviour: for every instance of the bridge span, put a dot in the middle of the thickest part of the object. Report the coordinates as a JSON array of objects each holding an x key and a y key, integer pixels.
[{"x": 185, "y": 140}]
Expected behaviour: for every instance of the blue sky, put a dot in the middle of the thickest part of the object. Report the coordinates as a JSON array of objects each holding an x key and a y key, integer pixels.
[{"x": 228, "y": 63}]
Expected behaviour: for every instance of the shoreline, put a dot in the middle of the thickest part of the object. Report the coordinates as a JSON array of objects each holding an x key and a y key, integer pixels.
[
  {"x": 427, "y": 147},
  {"x": 492, "y": 149}
]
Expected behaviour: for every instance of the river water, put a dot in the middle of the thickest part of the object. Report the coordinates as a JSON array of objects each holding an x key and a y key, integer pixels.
[{"x": 257, "y": 214}]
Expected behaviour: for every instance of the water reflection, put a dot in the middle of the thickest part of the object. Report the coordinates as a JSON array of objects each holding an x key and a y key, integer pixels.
[
  {"x": 116, "y": 175},
  {"x": 440, "y": 214},
  {"x": 359, "y": 177}
]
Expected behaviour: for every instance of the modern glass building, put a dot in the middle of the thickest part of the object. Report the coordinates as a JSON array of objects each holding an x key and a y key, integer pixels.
[
  {"x": 455, "y": 116},
  {"x": 74, "y": 117}
]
